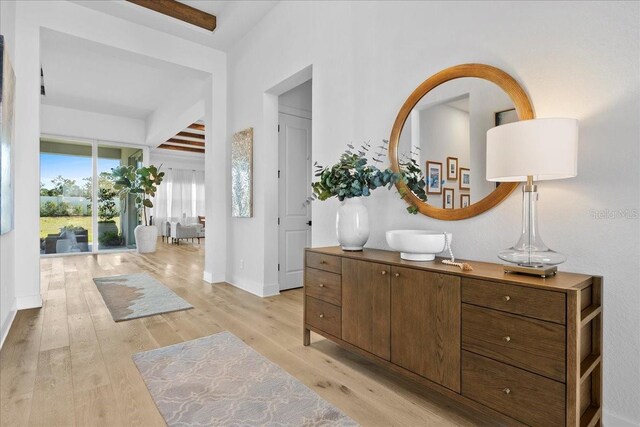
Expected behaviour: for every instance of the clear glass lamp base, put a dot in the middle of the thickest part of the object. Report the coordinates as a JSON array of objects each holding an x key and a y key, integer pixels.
[
  {"x": 537, "y": 258},
  {"x": 530, "y": 251}
]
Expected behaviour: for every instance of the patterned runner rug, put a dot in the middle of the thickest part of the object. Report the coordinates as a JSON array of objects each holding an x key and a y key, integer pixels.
[
  {"x": 220, "y": 381},
  {"x": 137, "y": 295}
]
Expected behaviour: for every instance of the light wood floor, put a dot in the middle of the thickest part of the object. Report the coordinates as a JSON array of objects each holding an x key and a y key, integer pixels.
[{"x": 69, "y": 363}]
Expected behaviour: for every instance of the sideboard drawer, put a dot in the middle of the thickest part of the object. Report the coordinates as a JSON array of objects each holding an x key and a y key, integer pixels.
[
  {"x": 324, "y": 316},
  {"x": 323, "y": 285},
  {"x": 536, "y": 303},
  {"x": 534, "y": 345},
  {"x": 527, "y": 397},
  {"x": 324, "y": 262}
]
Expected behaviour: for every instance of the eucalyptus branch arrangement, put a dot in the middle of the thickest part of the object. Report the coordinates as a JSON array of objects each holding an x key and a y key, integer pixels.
[
  {"x": 141, "y": 182},
  {"x": 353, "y": 176},
  {"x": 413, "y": 177}
]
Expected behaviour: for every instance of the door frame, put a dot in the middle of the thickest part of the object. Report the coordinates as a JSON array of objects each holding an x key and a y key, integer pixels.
[{"x": 271, "y": 281}]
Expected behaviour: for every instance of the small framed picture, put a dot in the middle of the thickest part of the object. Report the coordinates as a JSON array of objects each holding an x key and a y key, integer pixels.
[
  {"x": 465, "y": 179},
  {"x": 506, "y": 116},
  {"x": 452, "y": 168},
  {"x": 434, "y": 177},
  {"x": 465, "y": 200},
  {"x": 447, "y": 198}
]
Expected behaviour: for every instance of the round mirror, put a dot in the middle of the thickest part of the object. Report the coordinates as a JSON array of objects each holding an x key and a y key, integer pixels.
[{"x": 439, "y": 139}]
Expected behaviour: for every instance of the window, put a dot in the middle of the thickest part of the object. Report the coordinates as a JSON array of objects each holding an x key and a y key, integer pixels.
[{"x": 75, "y": 218}]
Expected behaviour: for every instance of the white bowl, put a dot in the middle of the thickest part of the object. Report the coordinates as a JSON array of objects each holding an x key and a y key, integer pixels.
[{"x": 417, "y": 245}]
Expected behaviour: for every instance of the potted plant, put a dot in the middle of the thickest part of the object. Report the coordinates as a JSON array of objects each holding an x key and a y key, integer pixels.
[
  {"x": 349, "y": 180},
  {"x": 142, "y": 183},
  {"x": 106, "y": 212}
]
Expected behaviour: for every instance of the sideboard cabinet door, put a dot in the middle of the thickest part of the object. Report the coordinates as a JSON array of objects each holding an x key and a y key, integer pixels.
[
  {"x": 425, "y": 324},
  {"x": 365, "y": 306}
]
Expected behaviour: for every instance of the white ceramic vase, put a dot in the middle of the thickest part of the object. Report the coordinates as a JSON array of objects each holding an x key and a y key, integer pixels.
[
  {"x": 146, "y": 238},
  {"x": 352, "y": 224}
]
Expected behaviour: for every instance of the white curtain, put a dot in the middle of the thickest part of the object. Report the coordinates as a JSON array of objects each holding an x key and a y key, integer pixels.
[
  {"x": 199, "y": 192},
  {"x": 180, "y": 197}
]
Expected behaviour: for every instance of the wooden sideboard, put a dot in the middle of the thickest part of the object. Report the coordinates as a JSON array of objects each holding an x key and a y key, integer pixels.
[{"x": 521, "y": 349}]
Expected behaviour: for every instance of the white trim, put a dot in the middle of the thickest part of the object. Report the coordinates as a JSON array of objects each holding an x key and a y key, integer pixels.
[
  {"x": 207, "y": 277},
  {"x": 211, "y": 279},
  {"x": 256, "y": 288},
  {"x": 609, "y": 419},
  {"x": 292, "y": 111},
  {"x": 271, "y": 290},
  {"x": 4, "y": 330},
  {"x": 30, "y": 301}
]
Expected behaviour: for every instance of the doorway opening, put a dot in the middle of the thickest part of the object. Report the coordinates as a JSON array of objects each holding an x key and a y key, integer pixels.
[{"x": 294, "y": 183}]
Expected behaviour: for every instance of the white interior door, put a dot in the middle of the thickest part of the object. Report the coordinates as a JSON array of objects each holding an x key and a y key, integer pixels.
[{"x": 294, "y": 233}]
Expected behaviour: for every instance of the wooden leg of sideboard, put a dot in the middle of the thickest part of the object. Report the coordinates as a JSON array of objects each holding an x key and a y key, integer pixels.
[{"x": 306, "y": 339}]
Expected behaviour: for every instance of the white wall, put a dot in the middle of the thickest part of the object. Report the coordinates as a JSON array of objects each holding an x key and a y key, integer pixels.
[
  {"x": 7, "y": 268},
  {"x": 575, "y": 59},
  {"x": 62, "y": 121},
  {"x": 95, "y": 26},
  {"x": 444, "y": 132},
  {"x": 168, "y": 160},
  {"x": 298, "y": 98}
]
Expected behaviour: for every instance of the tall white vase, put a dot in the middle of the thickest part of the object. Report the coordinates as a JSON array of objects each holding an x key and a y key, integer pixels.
[
  {"x": 352, "y": 224},
  {"x": 146, "y": 238}
]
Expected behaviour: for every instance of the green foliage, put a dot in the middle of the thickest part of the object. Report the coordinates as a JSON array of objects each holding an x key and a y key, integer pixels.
[
  {"x": 141, "y": 183},
  {"x": 75, "y": 229},
  {"x": 48, "y": 209},
  {"x": 414, "y": 179},
  {"x": 110, "y": 238},
  {"x": 352, "y": 176},
  {"x": 106, "y": 205}
]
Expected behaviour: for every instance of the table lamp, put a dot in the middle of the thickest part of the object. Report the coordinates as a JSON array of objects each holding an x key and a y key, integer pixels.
[{"x": 530, "y": 151}]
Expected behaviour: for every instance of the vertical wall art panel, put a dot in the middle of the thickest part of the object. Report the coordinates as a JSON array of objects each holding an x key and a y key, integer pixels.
[
  {"x": 7, "y": 90},
  {"x": 242, "y": 174}
]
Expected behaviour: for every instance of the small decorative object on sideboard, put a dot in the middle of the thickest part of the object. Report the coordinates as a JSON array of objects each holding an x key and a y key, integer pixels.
[
  {"x": 349, "y": 180},
  {"x": 539, "y": 149},
  {"x": 142, "y": 183}
]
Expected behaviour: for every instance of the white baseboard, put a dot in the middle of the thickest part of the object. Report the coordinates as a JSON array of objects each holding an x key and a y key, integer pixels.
[
  {"x": 255, "y": 288},
  {"x": 210, "y": 278},
  {"x": 611, "y": 420},
  {"x": 4, "y": 329},
  {"x": 271, "y": 290},
  {"x": 30, "y": 301}
]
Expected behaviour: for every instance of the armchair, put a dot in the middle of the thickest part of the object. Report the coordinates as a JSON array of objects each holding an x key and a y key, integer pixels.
[{"x": 179, "y": 231}]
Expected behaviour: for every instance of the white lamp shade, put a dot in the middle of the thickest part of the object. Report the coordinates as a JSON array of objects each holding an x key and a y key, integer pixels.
[{"x": 542, "y": 148}]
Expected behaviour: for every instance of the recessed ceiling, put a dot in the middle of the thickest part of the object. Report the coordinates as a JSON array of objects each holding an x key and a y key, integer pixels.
[
  {"x": 234, "y": 19},
  {"x": 89, "y": 76}
]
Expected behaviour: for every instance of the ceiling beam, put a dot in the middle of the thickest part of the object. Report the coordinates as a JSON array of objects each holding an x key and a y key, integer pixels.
[
  {"x": 185, "y": 142},
  {"x": 196, "y": 126},
  {"x": 175, "y": 147},
  {"x": 180, "y": 11},
  {"x": 190, "y": 135}
]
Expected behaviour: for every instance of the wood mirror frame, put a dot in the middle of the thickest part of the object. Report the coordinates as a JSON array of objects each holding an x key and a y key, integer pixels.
[{"x": 487, "y": 72}]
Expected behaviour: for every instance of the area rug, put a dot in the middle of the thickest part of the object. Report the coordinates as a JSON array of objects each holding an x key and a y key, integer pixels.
[
  {"x": 132, "y": 296},
  {"x": 220, "y": 381}
]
